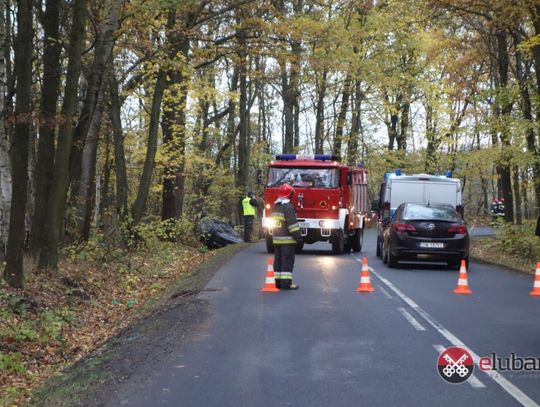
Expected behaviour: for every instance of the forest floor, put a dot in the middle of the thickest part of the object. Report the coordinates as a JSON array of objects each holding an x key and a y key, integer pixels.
[
  {"x": 99, "y": 314},
  {"x": 64, "y": 317}
]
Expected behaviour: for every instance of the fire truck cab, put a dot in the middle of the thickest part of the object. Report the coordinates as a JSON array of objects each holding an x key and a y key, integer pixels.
[{"x": 331, "y": 200}]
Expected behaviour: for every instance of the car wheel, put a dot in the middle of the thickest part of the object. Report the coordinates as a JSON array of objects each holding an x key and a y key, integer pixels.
[
  {"x": 392, "y": 260},
  {"x": 269, "y": 244},
  {"x": 379, "y": 244},
  {"x": 338, "y": 242}
]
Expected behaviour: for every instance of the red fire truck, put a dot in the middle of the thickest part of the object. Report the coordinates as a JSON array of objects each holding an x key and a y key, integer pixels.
[{"x": 331, "y": 200}]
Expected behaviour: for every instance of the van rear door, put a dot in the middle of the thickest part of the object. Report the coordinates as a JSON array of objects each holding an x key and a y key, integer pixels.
[
  {"x": 406, "y": 190},
  {"x": 437, "y": 192}
]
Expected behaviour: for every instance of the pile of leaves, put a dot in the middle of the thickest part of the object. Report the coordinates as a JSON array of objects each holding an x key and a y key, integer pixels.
[{"x": 61, "y": 316}]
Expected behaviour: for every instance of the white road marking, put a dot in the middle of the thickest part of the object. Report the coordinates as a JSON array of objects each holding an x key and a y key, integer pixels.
[
  {"x": 473, "y": 380},
  {"x": 416, "y": 325},
  {"x": 509, "y": 387},
  {"x": 385, "y": 293}
]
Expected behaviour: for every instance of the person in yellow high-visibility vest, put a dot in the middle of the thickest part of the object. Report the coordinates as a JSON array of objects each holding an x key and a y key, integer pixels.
[{"x": 249, "y": 205}]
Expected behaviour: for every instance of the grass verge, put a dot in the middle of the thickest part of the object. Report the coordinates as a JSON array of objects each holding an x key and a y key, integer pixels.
[{"x": 488, "y": 250}]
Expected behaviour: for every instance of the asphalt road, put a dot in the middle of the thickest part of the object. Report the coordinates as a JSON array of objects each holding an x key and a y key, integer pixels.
[{"x": 327, "y": 345}]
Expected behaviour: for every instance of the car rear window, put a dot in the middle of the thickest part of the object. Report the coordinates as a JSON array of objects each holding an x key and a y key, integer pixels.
[{"x": 420, "y": 212}]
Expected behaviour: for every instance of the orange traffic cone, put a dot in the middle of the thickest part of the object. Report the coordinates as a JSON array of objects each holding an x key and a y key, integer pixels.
[
  {"x": 270, "y": 282},
  {"x": 365, "y": 283},
  {"x": 536, "y": 287},
  {"x": 462, "y": 285}
]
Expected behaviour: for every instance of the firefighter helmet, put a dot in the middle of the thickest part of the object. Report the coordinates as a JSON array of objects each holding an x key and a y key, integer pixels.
[{"x": 285, "y": 191}]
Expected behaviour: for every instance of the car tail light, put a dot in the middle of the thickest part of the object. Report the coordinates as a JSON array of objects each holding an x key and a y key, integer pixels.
[
  {"x": 461, "y": 230},
  {"x": 404, "y": 227}
]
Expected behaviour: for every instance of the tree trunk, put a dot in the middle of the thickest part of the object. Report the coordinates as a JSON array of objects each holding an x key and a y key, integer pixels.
[
  {"x": 119, "y": 154},
  {"x": 47, "y": 123},
  {"x": 288, "y": 110},
  {"x": 14, "y": 272},
  {"x": 174, "y": 122},
  {"x": 30, "y": 188},
  {"x": 5, "y": 163},
  {"x": 536, "y": 61},
  {"x": 392, "y": 124},
  {"x": 506, "y": 109},
  {"x": 342, "y": 115},
  {"x": 319, "y": 113},
  {"x": 433, "y": 142},
  {"x": 145, "y": 182},
  {"x": 224, "y": 155},
  {"x": 103, "y": 203},
  {"x": 173, "y": 126},
  {"x": 517, "y": 194},
  {"x": 48, "y": 256},
  {"x": 243, "y": 139},
  {"x": 85, "y": 196},
  {"x": 524, "y": 188},
  {"x": 404, "y": 126},
  {"x": 356, "y": 125},
  {"x": 102, "y": 55}
]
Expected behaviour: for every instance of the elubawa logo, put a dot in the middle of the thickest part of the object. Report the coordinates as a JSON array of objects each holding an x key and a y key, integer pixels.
[{"x": 512, "y": 363}]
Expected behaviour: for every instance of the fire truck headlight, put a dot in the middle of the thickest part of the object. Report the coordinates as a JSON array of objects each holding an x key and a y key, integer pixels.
[
  {"x": 325, "y": 224},
  {"x": 267, "y": 206}
]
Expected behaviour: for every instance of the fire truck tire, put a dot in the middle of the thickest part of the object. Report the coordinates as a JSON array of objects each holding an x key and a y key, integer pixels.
[
  {"x": 338, "y": 243},
  {"x": 348, "y": 244},
  {"x": 269, "y": 244},
  {"x": 357, "y": 240}
]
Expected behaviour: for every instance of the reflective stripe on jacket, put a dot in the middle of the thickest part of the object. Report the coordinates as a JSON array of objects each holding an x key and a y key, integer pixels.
[
  {"x": 286, "y": 229},
  {"x": 249, "y": 210}
]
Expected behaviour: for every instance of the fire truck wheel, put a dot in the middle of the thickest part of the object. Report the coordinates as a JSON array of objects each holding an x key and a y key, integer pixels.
[
  {"x": 338, "y": 242},
  {"x": 269, "y": 244},
  {"x": 358, "y": 240}
]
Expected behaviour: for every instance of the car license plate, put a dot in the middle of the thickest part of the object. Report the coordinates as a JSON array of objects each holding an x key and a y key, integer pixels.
[{"x": 432, "y": 245}]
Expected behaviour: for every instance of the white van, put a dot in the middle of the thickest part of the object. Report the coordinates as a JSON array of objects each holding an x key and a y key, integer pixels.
[{"x": 417, "y": 188}]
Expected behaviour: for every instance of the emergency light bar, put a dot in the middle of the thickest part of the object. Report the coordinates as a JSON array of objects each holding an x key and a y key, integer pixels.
[
  {"x": 319, "y": 157},
  {"x": 397, "y": 172}
]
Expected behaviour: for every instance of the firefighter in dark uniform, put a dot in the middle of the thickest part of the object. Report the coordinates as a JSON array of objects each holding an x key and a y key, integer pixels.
[
  {"x": 285, "y": 235},
  {"x": 249, "y": 206}
]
